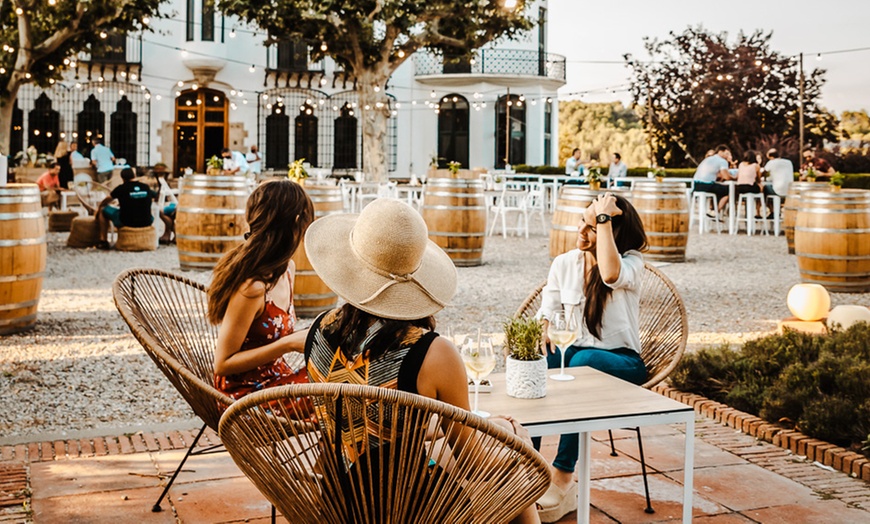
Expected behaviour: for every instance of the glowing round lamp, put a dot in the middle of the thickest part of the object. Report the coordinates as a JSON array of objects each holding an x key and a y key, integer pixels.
[
  {"x": 809, "y": 302},
  {"x": 845, "y": 316}
]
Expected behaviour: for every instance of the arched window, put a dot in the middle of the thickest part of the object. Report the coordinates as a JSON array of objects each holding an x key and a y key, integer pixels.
[
  {"x": 453, "y": 130},
  {"x": 91, "y": 123},
  {"x": 277, "y": 138},
  {"x": 44, "y": 125},
  {"x": 513, "y": 110},
  {"x": 305, "y": 136},
  {"x": 123, "y": 131},
  {"x": 345, "y": 139}
]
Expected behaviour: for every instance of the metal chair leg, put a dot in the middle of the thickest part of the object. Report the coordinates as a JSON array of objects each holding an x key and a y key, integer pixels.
[
  {"x": 274, "y": 517},
  {"x": 156, "y": 508},
  {"x": 612, "y": 447},
  {"x": 649, "y": 508}
]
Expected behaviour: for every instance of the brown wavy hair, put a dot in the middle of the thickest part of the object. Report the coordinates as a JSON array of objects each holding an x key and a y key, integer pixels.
[
  {"x": 629, "y": 235},
  {"x": 278, "y": 214}
]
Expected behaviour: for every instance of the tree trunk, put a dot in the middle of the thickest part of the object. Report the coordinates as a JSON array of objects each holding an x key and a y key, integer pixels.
[
  {"x": 374, "y": 128},
  {"x": 7, "y": 104}
]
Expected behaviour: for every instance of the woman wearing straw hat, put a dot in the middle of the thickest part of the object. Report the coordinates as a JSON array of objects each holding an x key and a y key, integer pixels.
[
  {"x": 251, "y": 294},
  {"x": 394, "y": 279}
]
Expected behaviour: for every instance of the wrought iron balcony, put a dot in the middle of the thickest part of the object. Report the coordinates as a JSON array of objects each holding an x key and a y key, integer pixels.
[
  {"x": 291, "y": 57},
  {"x": 120, "y": 50},
  {"x": 500, "y": 62}
]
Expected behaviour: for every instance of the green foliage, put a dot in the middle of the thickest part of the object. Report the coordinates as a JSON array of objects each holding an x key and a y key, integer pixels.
[
  {"x": 600, "y": 130},
  {"x": 296, "y": 171},
  {"x": 838, "y": 180},
  {"x": 539, "y": 170},
  {"x": 817, "y": 383},
  {"x": 703, "y": 89},
  {"x": 215, "y": 162},
  {"x": 857, "y": 181},
  {"x": 454, "y": 166},
  {"x": 855, "y": 125},
  {"x": 523, "y": 338}
]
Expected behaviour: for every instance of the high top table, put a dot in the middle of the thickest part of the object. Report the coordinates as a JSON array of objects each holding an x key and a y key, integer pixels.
[{"x": 594, "y": 401}]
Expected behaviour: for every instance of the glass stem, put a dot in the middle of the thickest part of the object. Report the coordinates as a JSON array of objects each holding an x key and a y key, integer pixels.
[
  {"x": 476, "y": 393},
  {"x": 562, "y": 369}
]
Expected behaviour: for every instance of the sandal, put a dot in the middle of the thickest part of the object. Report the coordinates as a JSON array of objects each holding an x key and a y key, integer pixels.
[
  {"x": 103, "y": 245},
  {"x": 164, "y": 241},
  {"x": 556, "y": 503}
]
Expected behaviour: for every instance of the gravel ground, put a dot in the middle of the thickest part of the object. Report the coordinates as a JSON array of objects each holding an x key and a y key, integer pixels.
[{"x": 80, "y": 371}]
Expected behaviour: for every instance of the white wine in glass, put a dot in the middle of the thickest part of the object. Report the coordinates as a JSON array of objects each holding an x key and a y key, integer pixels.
[
  {"x": 562, "y": 332},
  {"x": 479, "y": 359}
]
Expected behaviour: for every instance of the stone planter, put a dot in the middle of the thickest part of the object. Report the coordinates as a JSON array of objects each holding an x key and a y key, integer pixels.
[{"x": 526, "y": 378}]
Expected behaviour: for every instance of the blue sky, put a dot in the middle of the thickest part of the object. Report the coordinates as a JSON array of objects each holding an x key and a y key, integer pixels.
[{"x": 604, "y": 31}]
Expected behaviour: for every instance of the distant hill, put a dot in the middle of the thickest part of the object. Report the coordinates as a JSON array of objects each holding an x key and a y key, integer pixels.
[{"x": 600, "y": 130}]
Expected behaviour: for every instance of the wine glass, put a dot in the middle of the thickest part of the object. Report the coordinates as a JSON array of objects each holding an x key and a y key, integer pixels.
[
  {"x": 479, "y": 359},
  {"x": 562, "y": 332}
]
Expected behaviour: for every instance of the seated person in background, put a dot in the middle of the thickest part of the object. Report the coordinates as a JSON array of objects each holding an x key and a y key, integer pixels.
[
  {"x": 711, "y": 169},
  {"x": 617, "y": 169},
  {"x": 167, "y": 215},
  {"x": 573, "y": 166},
  {"x": 823, "y": 170},
  {"x": 134, "y": 201},
  {"x": 394, "y": 280},
  {"x": 749, "y": 178},
  {"x": 49, "y": 186},
  {"x": 235, "y": 162},
  {"x": 780, "y": 172}
]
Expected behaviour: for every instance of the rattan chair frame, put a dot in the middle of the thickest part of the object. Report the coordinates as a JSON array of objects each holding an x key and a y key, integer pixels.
[
  {"x": 83, "y": 193},
  {"x": 664, "y": 332},
  {"x": 167, "y": 314},
  {"x": 493, "y": 477}
]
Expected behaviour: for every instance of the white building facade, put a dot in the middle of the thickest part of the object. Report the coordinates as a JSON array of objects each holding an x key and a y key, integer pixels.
[{"x": 201, "y": 82}]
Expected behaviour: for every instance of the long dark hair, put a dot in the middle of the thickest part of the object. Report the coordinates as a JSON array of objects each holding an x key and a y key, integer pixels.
[
  {"x": 278, "y": 213},
  {"x": 629, "y": 235},
  {"x": 350, "y": 330}
]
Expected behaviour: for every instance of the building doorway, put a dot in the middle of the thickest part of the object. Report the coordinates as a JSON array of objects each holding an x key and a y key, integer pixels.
[{"x": 201, "y": 128}]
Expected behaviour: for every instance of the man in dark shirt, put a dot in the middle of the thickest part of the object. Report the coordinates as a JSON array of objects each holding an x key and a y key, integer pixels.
[
  {"x": 134, "y": 201},
  {"x": 821, "y": 167}
]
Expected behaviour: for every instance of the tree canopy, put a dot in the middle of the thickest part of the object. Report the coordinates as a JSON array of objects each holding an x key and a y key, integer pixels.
[
  {"x": 40, "y": 40},
  {"x": 600, "y": 130},
  {"x": 370, "y": 39},
  {"x": 702, "y": 90}
]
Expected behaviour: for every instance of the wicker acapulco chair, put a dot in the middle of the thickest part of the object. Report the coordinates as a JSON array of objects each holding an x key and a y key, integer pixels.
[
  {"x": 90, "y": 194},
  {"x": 167, "y": 315},
  {"x": 664, "y": 330},
  {"x": 313, "y": 477}
]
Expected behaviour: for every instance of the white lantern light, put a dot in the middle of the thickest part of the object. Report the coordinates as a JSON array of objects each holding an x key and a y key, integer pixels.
[
  {"x": 846, "y": 316},
  {"x": 809, "y": 302}
]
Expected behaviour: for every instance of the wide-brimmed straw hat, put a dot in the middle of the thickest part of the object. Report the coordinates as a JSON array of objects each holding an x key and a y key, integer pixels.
[{"x": 382, "y": 261}]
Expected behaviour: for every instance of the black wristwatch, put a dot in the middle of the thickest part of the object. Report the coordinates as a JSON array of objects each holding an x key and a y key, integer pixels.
[{"x": 603, "y": 218}]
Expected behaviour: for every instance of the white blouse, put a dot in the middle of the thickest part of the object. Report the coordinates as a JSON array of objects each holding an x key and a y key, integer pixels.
[{"x": 619, "y": 323}]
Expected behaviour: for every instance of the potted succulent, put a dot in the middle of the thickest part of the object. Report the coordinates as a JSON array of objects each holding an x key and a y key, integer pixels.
[
  {"x": 811, "y": 174},
  {"x": 837, "y": 180},
  {"x": 453, "y": 166},
  {"x": 215, "y": 165},
  {"x": 526, "y": 367},
  {"x": 296, "y": 171}
]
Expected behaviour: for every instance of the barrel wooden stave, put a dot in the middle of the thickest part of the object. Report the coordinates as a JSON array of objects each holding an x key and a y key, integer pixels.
[
  {"x": 455, "y": 213},
  {"x": 311, "y": 295},
  {"x": 22, "y": 256},
  {"x": 570, "y": 205},
  {"x": 789, "y": 209},
  {"x": 210, "y": 219},
  {"x": 832, "y": 239},
  {"x": 664, "y": 211}
]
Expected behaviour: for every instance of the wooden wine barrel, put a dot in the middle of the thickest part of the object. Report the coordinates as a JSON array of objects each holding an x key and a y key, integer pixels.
[
  {"x": 22, "y": 256},
  {"x": 832, "y": 239},
  {"x": 310, "y": 295},
  {"x": 789, "y": 209},
  {"x": 455, "y": 213},
  {"x": 572, "y": 202},
  {"x": 210, "y": 219},
  {"x": 664, "y": 211}
]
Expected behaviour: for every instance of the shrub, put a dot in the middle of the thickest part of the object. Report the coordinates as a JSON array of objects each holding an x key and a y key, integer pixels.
[{"x": 819, "y": 384}]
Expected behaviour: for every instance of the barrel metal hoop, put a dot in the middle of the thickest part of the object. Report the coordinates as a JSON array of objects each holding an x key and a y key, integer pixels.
[
  {"x": 560, "y": 227},
  {"x": 19, "y": 305},
  {"x": 23, "y": 199},
  {"x": 829, "y": 230},
  {"x": 676, "y": 212},
  {"x": 455, "y": 234},
  {"x": 456, "y": 208},
  {"x": 833, "y": 257},
  {"x": 20, "y": 216},
  {"x": 671, "y": 234},
  {"x": 23, "y": 321},
  {"x": 216, "y": 192},
  {"x": 19, "y": 278},
  {"x": 23, "y": 242},
  {"x": 205, "y": 238},
  {"x": 572, "y": 210},
  {"x": 460, "y": 250},
  {"x": 449, "y": 194},
  {"x": 211, "y": 211},
  {"x": 826, "y": 211},
  {"x": 853, "y": 276}
]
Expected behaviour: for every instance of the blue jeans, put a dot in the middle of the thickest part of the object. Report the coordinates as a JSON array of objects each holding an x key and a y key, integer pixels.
[{"x": 620, "y": 363}]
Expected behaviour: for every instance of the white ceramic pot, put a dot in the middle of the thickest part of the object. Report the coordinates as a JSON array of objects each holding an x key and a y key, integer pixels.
[{"x": 526, "y": 378}]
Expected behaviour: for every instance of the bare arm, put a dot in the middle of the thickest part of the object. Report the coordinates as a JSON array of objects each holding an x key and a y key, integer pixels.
[{"x": 606, "y": 254}]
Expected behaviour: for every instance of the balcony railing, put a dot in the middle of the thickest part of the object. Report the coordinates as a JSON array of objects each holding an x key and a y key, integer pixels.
[
  {"x": 120, "y": 49},
  {"x": 291, "y": 57},
  {"x": 520, "y": 62}
]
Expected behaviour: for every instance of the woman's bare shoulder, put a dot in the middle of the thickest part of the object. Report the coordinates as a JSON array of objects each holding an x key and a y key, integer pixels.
[{"x": 252, "y": 288}]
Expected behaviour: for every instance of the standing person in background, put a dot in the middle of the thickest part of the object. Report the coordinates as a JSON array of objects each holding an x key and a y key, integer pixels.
[
  {"x": 62, "y": 155},
  {"x": 103, "y": 160},
  {"x": 255, "y": 161},
  {"x": 573, "y": 166},
  {"x": 822, "y": 168},
  {"x": 235, "y": 162},
  {"x": 780, "y": 172},
  {"x": 617, "y": 169},
  {"x": 76, "y": 158}
]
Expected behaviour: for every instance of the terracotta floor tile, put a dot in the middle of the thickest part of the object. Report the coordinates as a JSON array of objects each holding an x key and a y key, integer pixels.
[
  {"x": 665, "y": 453},
  {"x": 197, "y": 468},
  {"x": 223, "y": 500},
  {"x": 725, "y": 518},
  {"x": 91, "y": 475},
  {"x": 623, "y": 500},
  {"x": 595, "y": 517},
  {"x": 106, "y": 507},
  {"x": 605, "y": 466},
  {"x": 827, "y": 511},
  {"x": 747, "y": 486}
]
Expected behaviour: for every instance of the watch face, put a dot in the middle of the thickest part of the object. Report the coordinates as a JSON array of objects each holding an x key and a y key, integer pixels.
[{"x": 602, "y": 218}]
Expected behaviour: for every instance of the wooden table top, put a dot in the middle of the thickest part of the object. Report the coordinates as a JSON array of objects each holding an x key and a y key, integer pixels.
[{"x": 592, "y": 395}]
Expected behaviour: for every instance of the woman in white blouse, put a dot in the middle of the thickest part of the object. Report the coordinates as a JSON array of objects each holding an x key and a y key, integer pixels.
[{"x": 599, "y": 284}]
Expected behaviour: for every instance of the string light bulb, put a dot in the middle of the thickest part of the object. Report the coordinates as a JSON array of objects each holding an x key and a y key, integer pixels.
[
  {"x": 19, "y": 11},
  {"x": 103, "y": 34},
  {"x": 146, "y": 20},
  {"x": 510, "y": 4},
  {"x": 323, "y": 47},
  {"x": 253, "y": 68},
  {"x": 401, "y": 53},
  {"x": 818, "y": 56},
  {"x": 233, "y": 32}
]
